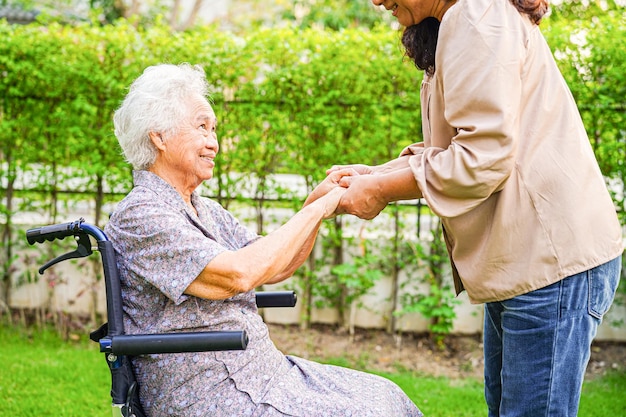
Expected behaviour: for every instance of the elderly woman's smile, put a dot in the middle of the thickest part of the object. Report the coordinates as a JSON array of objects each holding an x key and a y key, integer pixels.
[{"x": 208, "y": 159}]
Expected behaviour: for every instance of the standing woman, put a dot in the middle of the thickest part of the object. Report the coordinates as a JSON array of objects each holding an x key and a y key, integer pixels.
[{"x": 506, "y": 163}]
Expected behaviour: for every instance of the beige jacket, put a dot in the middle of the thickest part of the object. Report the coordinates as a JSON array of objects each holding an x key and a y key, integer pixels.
[{"x": 506, "y": 162}]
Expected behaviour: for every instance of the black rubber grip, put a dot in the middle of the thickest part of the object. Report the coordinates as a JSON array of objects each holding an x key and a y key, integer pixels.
[
  {"x": 52, "y": 232},
  {"x": 276, "y": 299},
  {"x": 144, "y": 344}
]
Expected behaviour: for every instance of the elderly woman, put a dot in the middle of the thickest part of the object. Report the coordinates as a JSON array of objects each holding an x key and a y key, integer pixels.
[{"x": 187, "y": 264}]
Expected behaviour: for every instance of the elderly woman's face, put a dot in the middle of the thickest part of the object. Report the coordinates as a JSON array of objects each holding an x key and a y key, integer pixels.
[{"x": 189, "y": 154}]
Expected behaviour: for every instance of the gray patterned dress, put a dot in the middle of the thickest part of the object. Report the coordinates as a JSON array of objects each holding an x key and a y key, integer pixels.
[{"x": 161, "y": 248}]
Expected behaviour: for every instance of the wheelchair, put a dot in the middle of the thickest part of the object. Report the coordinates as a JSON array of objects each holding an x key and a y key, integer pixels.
[{"x": 118, "y": 347}]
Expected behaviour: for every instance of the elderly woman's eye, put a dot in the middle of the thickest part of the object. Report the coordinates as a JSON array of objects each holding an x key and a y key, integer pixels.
[{"x": 203, "y": 126}]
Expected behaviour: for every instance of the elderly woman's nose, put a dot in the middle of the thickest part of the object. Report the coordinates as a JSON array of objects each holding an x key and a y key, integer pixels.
[
  {"x": 212, "y": 143},
  {"x": 378, "y": 2}
]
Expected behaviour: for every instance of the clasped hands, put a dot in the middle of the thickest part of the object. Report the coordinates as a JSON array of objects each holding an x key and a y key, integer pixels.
[{"x": 352, "y": 189}]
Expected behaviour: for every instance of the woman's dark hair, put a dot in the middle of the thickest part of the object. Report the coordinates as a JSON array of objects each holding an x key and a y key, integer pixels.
[
  {"x": 535, "y": 9},
  {"x": 420, "y": 40},
  {"x": 420, "y": 43}
]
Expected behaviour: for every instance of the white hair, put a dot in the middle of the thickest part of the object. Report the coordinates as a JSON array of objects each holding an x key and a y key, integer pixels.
[{"x": 156, "y": 102}]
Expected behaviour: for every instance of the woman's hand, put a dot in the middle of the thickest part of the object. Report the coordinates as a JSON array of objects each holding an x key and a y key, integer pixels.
[
  {"x": 330, "y": 201},
  {"x": 363, "y": 197},
  {"x": 367, "y": 195},
  {"x": 330, "y": 182},
  {"x": 359, "y": 169}
]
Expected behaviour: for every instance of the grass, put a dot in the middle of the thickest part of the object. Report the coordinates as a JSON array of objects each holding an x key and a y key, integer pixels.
[
  {"x": 443, "y": 396},
  {"x": 45, "y": 376}
]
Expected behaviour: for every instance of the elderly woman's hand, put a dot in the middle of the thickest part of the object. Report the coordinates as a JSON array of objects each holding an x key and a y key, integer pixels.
[
  {"x": 359, "y": 169},
  {"x": 329, "y": 183},
  {"x": 331, "y": 201}
]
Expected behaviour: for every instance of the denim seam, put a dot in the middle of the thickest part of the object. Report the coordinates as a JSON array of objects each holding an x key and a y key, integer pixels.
[
  {"x": 554, "y": 347},
  {"x": 590, "y": 308}
]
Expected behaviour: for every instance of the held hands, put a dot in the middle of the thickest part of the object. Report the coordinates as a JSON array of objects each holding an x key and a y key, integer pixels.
[
  {"x": 359, "y": 169},
  {"x": 363, "y": 197},
  {"x": 361, "y": 193},
  {"x": 329, "y": 191},
  {"x": 330, "y": 201}
]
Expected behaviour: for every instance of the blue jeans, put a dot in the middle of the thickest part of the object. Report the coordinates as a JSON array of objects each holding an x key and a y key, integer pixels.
[{"x": 537, "y": 345}]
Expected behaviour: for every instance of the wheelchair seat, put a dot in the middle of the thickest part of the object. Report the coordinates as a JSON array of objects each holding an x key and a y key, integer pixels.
[{"x": 118, "y": 347}]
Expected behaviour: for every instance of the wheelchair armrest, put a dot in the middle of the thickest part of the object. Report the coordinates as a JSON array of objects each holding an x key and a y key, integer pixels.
[
  {"x": 142, "y": 344},
  {"x": 276, "y": 299}
]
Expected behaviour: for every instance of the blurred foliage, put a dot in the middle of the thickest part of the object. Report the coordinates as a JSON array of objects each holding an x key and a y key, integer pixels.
[{"x": 331, "y": 87}]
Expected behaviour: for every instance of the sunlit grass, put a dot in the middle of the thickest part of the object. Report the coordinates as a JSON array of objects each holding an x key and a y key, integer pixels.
[{"x": 44, "y": 376}]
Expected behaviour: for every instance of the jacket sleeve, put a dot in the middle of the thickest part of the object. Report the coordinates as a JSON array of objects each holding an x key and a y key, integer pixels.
[{"x": 477, "y": 94}]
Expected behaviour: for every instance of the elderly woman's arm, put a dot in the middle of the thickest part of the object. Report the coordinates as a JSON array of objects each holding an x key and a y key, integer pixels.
[
  {"x": 331, "y": 181},
  {"x": 271, "y": 258}
]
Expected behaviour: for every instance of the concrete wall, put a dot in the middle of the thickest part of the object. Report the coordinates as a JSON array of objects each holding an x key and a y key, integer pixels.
[
  {"x": 68, "y": 287},
  {"x": 73, "y": 287}
]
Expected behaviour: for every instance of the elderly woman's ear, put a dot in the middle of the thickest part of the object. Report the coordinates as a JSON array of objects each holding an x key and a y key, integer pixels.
[{"x": 157, "y": 140}]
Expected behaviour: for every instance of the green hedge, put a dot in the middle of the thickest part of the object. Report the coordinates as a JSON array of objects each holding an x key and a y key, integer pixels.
[{"x": 287, "y": 100}]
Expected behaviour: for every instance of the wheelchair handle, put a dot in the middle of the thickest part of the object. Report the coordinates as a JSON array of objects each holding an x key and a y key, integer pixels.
[
  {"x": 81, "y": 232},
  {"x": 61, "y": 231},
  {"x": 276, "y": 299},
  {"x": 79, "y": 229},
  {"x": 52, "y": 232},
  {"x": 143, "y": 344}
]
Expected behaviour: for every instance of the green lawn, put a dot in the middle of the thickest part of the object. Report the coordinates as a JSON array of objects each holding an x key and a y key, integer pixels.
[{"x": 44, "y": 376}]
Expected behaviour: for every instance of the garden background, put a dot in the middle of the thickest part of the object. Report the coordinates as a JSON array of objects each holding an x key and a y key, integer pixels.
[
  {"x": 291, "y": 101},
  {"x": 292, "y": 98}
]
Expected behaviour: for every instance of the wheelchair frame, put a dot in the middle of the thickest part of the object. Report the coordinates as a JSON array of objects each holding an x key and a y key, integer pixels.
[{"x": 118, "y": 347}]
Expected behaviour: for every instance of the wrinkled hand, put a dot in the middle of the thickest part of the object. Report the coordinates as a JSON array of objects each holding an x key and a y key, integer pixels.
[
  {"x": 360, "y": 169},
  {"x": 363, "y": 197},
  {"x": 330, "y": 182},
  {"x": 330, "y": 201}
]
